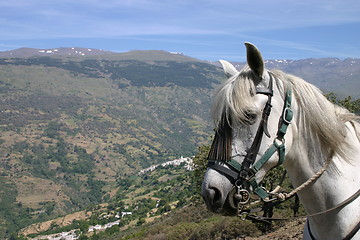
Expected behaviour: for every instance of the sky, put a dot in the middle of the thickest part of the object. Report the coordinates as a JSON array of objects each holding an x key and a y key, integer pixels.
[{"x": 204, "y": 29}]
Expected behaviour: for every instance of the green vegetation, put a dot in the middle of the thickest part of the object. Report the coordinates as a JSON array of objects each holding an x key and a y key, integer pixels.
[
  {"x": 171, "y": 195},
  {"x": 348, "y": 103},
  {"x": 138, "y": 73},
  {"x": 150, "y": 195},
  {"x": 73, "y": 127},
  {"x": 13, "y": 215}
]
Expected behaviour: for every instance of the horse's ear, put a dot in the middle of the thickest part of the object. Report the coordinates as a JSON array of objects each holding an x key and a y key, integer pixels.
[
  {"x": 229, "y": 69},
  {"x": 254, "y": 59}
]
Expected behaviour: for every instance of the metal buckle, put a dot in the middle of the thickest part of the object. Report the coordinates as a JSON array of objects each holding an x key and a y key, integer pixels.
[
  {"x": 279, "y": 142},
  {"x": 251, "y": 173},
  {"x": 242, "y": 196},
  {"x": 287, "y": 115},
  {"x": 238, "y": 198}
]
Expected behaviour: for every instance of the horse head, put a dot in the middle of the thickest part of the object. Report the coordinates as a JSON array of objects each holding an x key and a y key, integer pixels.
[{"x": 252, "y": 112}]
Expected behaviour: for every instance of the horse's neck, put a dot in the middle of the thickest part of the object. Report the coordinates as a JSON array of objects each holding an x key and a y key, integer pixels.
[{"x": 333, "y": 187}]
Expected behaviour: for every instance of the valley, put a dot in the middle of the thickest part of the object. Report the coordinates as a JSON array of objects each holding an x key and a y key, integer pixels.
[{"x": 76, "y": 128}]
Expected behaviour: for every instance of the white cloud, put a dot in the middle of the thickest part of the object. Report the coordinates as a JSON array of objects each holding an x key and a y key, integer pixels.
[
  {"x": 178, "y": 22},
  {"x": 136, "y": 17}
]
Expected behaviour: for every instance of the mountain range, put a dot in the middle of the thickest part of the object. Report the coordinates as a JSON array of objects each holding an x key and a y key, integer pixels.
[
  {"x": 329, "y": 74},
  {"x": 75, "y": 120},
  {"x": 73, "y": 51}
]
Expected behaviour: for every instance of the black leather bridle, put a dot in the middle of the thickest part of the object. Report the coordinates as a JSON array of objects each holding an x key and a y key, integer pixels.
[{"x": 243, "y": 175}]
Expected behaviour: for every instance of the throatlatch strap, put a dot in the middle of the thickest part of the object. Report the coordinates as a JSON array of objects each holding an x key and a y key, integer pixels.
[{"x": 267, "y": 155}]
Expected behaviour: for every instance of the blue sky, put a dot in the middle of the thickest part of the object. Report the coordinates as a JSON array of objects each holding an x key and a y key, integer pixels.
[{"x": 205, "y": 29}]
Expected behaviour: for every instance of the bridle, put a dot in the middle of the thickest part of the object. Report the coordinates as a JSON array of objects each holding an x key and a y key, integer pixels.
[{"x": 243, "y": 175}]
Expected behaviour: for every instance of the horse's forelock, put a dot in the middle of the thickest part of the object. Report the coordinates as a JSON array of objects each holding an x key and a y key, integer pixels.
[{"x": 234, "y": 99}]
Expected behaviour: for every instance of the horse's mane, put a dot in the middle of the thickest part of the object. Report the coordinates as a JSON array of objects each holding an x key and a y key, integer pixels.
[{"x": 319, "y": 117}]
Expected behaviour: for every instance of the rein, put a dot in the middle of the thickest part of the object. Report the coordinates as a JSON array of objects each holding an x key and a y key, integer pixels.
[{"x": 349, "y": 236}]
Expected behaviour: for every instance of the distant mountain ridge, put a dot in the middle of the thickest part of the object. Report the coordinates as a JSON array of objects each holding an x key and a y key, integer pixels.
[
  {"x": 329, "y": 74},
  {"x": 62, "y": 51},
  {"x": 141, "y": 55}
]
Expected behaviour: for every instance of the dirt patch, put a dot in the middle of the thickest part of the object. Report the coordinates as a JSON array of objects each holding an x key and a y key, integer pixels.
[
  {"x": 62, "y": 221},
  {"x": 33, "y": 191},
  {"x": 292, "y": 230}
]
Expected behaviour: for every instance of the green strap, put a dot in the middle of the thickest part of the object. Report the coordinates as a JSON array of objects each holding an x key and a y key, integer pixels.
[
  {"x": 264, "y": 158},
  {"x": 234, "y": 165},
  {"x": 286, "y": 116},
  {"x": 281, "y": 151},
  {"x": 258, "y": 190},
  {"x": 280, "y": 148}
]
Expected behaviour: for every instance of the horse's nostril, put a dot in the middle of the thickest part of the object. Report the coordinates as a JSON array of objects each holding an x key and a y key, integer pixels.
[
  {"x": 215, "y": 195},
  {"x": 212, "y": 195}
]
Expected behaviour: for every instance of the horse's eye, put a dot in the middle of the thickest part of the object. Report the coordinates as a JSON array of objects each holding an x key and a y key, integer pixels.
[{"x": 250, "y": 117}]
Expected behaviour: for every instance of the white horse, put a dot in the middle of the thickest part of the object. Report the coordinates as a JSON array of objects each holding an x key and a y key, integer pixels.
[{"x": 316, "y": 139}]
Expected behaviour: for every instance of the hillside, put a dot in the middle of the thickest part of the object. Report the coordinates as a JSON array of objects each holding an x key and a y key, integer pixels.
[
  {"x": 160, "y": 203},
  {"x": 143, "y": 197},
  {"x": 73, "y": 125}
]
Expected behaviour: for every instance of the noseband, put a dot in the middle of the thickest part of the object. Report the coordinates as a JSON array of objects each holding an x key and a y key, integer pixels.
[{"x": 243, "y": 175}]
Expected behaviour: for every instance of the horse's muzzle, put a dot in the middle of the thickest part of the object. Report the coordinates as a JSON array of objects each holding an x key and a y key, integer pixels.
[{"x": 215, "y": 191}]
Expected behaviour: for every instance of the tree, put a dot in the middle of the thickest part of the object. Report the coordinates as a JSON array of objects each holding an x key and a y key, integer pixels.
[
  {"x": 200, "y": 165},
  {"x": 140, "y": 222},
  {"x": 351, "y": 105},
  {"x": 83, "y": 237}
]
